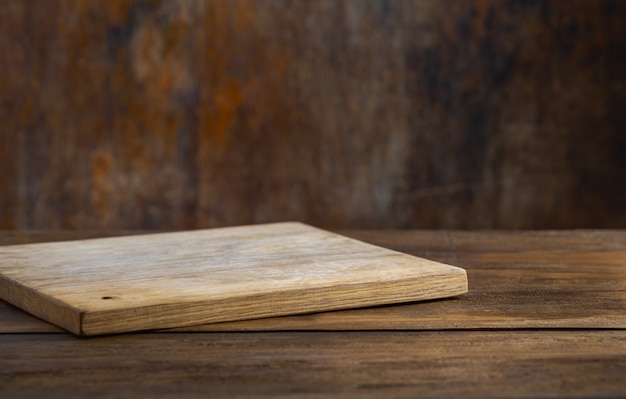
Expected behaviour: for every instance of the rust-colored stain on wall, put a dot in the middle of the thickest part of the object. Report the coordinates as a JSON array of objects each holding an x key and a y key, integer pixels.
[{"x": 344, "y": 114}]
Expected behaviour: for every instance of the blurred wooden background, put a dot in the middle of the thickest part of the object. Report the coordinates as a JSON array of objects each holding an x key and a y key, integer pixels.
[{"x": 345, "y": 114}]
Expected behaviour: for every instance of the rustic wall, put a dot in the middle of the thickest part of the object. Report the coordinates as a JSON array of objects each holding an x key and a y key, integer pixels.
[{"x": 373, "y": 113}]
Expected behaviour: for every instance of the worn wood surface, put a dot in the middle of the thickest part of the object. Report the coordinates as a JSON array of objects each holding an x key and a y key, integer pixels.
[
  {"x": 472, "y": 364},
  {"x": 181, "y": 114},
  {"x": 564, "y": 279},
  {"x": 550, "y": 306},
  {"x": 123, "y": 284}
]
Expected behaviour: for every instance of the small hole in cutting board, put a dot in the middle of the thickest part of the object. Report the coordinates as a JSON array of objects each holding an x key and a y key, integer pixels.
[{"x": 107, "y": 297}]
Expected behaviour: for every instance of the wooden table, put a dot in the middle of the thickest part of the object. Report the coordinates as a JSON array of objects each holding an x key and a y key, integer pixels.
[{"x": 545, "y": 317}]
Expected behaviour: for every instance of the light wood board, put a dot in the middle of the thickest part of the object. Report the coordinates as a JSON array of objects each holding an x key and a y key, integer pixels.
[{"x": 122, "y": 284}]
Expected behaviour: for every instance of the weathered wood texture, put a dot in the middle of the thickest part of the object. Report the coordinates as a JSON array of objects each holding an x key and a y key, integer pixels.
[
  {"x": 565, "y": 279},
  {"x": 547, "y": 280},
  {"x": 468, "y": 364},
  {"x": 376, "y": 113},
  {"x": 124, "y": 284}
]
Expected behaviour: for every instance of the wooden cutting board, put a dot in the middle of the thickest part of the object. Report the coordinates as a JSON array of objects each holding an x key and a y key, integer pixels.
[{"x": 122, "y": 284}]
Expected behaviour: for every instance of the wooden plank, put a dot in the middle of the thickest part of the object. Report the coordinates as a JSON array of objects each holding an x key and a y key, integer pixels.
[
  {"x": 499, "y": 298},
  {"x": 164, "y": 280},
  {"x": 561, "y": 279},
  {"x": 543, "y": 241},
  {"x": 287, "y": 364},
  {"x": 15, "y": 320}
]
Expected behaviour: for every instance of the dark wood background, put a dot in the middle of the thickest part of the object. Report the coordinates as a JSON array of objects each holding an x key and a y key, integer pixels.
[{"x": 422, "y": 114}]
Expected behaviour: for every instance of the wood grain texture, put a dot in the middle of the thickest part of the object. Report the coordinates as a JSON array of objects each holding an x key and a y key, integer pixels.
[
  {"x": 517, "y": 280},
  {"x": 113, "y": 285},
  {"x": 185, "y": 114},
  {"x": 528, "y": 364},
  {"x": 514, "y": 273},
  {"x": 548, "y": 279}
]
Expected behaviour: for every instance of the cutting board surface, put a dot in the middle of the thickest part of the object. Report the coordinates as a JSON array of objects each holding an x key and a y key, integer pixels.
[{"x": 122, "y": 284}]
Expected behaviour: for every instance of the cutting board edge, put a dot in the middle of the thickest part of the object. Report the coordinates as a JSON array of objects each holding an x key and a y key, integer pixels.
[
  {"x": 80, "y": 320},
  {"x": 41, "y": 305},
  {"x": 171, "y": 315}
]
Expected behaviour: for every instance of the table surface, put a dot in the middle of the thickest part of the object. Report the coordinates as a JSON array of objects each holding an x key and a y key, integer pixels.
[{"x": 545, "y": 317}]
